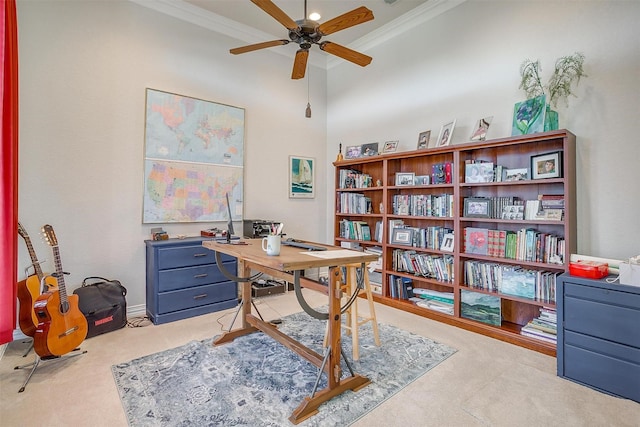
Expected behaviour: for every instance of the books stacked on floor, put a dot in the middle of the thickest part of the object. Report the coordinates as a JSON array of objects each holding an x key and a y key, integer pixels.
[
  {"x": 543, "y": 327},
  {"x": 433, "y": 300}
]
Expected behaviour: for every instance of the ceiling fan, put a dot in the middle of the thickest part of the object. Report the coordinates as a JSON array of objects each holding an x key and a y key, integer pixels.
[{"x": 306, "y": 33}]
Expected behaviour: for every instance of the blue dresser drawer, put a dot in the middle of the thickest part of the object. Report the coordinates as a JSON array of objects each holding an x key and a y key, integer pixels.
[
  {"x": 602, "y": 313},
  {"x": 180, "y": 278},
  {"x": 198, "y": 296},
  {"x": 185, "y": 256},
  {"x": 611, "y": 367}
]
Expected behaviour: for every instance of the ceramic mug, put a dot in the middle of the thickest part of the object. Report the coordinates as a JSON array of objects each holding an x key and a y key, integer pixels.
[{"x": 271, "y": 244}]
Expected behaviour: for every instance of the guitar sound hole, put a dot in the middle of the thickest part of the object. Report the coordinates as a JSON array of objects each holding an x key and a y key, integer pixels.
[{"x": 64, "y": 306}]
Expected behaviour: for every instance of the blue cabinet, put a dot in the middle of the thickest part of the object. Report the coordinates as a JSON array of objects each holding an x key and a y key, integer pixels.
[
  {"x": 183, "y": 280},
  {"x": 599, "y": 335}
]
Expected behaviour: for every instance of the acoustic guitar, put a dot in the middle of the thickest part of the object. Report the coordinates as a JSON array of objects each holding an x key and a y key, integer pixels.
[
  {"x": 61, "y": 325},
  {"x": 30, "y": 289}
]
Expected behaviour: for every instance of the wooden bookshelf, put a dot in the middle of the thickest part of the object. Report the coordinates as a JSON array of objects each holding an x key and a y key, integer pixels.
[{"x": 511, "y": 153}]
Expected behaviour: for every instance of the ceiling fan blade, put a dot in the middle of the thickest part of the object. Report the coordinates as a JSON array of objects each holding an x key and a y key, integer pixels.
[
  {"x": 300, "y": 64},
  {"x": 349, "y": 19},
  {"x": 263, "y": 45},
  {"x": 277, "y": 13},
  {"x": 346, "y": 53}
]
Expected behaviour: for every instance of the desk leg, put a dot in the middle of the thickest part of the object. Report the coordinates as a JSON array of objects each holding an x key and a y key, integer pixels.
[
  {"x": 245, "y": 328},
  {"x": 309, "y": 405}
]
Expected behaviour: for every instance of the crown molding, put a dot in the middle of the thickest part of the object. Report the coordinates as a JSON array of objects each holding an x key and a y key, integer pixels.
[{"x": 219, "y": 24}]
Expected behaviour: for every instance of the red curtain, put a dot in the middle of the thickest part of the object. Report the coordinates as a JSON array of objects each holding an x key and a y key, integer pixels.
[{"x": 9, "y": 170}]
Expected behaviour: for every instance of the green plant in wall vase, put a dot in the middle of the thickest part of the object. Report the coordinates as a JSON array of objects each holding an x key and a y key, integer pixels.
[{"x": 568, "y": 70}]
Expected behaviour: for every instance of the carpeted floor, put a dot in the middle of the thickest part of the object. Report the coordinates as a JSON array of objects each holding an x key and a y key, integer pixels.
[{"x": 255, "y": 381}]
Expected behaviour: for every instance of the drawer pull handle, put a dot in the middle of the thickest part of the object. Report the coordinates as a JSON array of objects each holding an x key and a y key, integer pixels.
[
  {"x": 200, "y": 276},
  {"x": 200, "y": 296},
  {"x": 199, "y": 255}
]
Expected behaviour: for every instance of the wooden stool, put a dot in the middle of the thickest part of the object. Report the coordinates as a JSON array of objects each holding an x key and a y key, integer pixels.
[{"x": 352, "y": 320}]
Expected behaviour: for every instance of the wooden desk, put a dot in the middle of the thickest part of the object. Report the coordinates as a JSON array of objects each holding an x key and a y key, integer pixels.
[{"x": 288, "y": 266}]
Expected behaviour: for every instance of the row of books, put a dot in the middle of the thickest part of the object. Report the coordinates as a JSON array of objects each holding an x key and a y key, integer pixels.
[
  {"x": 544, "y": 327},
  {"x": 434, "y": 300},
  {"x": 526, "y": 244},
  {"x": 400, "y": 287},
  {"x": 438, "y": 267},
  {"x": 353, "y": 203},
  {"x": 512, "y": 280},
  {"x": 423, "y": 205},
  {"x": 350, "y": 178},
  {"x": 355, "y": 230}
]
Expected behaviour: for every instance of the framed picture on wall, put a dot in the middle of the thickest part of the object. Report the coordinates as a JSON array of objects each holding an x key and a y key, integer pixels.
[{"x": 301, "y": 177}]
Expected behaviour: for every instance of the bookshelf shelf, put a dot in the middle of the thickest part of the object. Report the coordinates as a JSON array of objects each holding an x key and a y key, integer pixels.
[{"x": 512, "y": 153}]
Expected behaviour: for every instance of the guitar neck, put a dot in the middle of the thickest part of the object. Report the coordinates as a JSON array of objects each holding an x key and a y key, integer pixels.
[
  {"x": 32, "y": 253},
  {"x": 60, "y": 275}
]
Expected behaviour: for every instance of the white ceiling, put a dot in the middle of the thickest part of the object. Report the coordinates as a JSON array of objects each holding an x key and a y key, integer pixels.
[
  {"x": 247, "y": 23},
  {"x": 247, "y": 13}
]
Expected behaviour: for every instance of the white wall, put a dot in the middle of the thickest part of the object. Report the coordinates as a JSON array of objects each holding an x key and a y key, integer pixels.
[
  {"x": 464, "y": 65},
  {"x": 84, "y": 67}
]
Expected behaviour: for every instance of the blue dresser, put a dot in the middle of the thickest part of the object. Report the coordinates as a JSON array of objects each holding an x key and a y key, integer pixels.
[
  {"x": 599, "y": 335},
  {"x": 183, "y": 280}
]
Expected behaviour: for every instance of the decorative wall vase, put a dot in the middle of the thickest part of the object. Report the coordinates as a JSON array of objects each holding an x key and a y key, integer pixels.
[{"x": 550, "y": 119}]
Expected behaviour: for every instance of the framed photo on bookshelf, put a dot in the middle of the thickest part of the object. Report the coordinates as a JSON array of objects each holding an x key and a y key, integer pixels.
[
  {"x": 477, "y": 207},
  {"x": 423, "y": 139},
  {"x": 404, "y": 179},
  {"x": 447, "y": 243},
  {"x": 445, "y": 134},
  {"x": 547, "y": 165},
  {"x": 353, "y": 152},
  {"x": 370, "y": 149},
  {"x": 519, "y": 174},
  {"x": 402, "y": 236},
  {"x": 390, "y": 146}
]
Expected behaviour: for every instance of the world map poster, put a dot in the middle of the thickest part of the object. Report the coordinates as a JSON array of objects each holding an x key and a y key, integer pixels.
[{"x": 194, "y": 157}]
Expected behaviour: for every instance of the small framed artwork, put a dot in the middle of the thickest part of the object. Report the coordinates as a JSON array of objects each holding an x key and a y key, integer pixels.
[
  {"x": 447, "y": 243},
  {"x": 528, "y": 116},
  {"x": 369, "y": 149},
  {"x": 402, "y": 236},
  {"x": 480, "y": 131},
  {"x": 519, "y": 174},
  {"x": 477, "y": 207},
  {"x": 422, "y": 180},
  {"x": 353, "y": 152},
  {"x": 445, "y": 134},
  {"x": 404, "y": 179},
  {"x": 547, "y": 165},
  {"x": 423, "y": 139},
  {"x": 390, "y": 146},
  {"x": 301, "y": 177}
]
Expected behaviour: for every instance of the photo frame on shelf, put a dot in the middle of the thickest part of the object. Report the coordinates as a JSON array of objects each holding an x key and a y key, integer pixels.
[
  {"x": 477, "y": 207},
  {"x": 405, "y": 179},
  {"x": 390, "y": 147},
  {"x": 519, "y": 174},
  {"x": 301, "y": 177},
  {"x": 402, "y": 236},
  {"x": 444, "y": 138},
  {"x": 448, "y": 242},
  {"x": 423, "y": 140},
  {"x": 370, "y": 149},
  {"x": 548, "y": 165},
  {"x": 480, "y": 131},
  {"x": 422, "y": 180},
  {"x": 353, "y": 152}
]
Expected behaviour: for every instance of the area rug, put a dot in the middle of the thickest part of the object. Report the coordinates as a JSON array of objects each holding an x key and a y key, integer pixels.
[{"x": 256, "y": 381}]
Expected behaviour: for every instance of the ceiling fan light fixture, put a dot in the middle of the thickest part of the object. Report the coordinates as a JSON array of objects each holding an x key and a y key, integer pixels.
[{"x": 314, "y": 16}]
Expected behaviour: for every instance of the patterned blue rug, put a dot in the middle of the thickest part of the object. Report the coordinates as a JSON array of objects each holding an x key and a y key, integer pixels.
[{"x": 255, "y": 381}]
